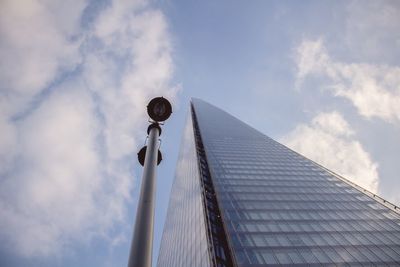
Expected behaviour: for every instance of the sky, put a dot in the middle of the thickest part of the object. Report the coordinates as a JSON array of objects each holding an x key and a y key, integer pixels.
[{"x": 322, "y": 77}]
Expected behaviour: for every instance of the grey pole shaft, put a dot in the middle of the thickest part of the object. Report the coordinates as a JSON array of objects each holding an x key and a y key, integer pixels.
[{"x": 142, "y": 242}]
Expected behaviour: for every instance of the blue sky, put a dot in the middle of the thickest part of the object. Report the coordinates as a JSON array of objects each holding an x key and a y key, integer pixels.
[{"x": 321, "y": 77}]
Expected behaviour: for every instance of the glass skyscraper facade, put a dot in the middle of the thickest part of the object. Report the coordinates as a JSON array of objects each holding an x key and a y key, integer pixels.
[{"x": 242, "y": 199}]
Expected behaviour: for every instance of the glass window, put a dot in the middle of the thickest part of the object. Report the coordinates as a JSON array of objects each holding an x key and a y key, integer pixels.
[
  {"x": 296, "y": 258},
  {"x": 271, "y": 241},
  {"x": 269, "y": 257},
  {"x": 333, "y": 255},
  {"x": 318, "y": 240},
  {"x": 241, "y": 257},
  {"x": 298, "y": 240},
  {"x": 283, "y": 241},
  {"x": 381, "y": 253},
  {"x": 308, "y": 256},
  {"x": 283, "y": 257},
  {"x": 321, "y": 256},
  {"x": 345, "y": 255},
  {"x": 368, "y": 253},
  {"x": 259, "y": 241},
  {"x": 305, "y": 240}
]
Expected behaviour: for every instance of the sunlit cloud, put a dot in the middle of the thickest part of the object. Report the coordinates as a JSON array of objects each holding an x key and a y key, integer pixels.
[
  {"x": 373, "y": 89},
  {"x": 73, "y": 92},
  {"x": 330, "y": 141}
]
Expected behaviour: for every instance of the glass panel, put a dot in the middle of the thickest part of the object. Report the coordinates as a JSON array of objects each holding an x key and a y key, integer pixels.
[
  {"x": 308, "y": 256},
  {"x": 269, "y": 257},
  {"x": 321, "y": 256},
  {"x": 283, "y": 257},
  {"x": 296, "y": 258},
  {"x": 184, "y": 241},
  {"x": 259, "y": 241}
]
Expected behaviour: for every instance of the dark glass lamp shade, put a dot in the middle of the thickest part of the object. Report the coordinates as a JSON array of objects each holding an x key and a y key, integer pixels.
[{"x": 159, "y": 109}]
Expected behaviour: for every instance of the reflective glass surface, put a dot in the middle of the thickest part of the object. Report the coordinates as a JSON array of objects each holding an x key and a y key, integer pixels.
[
  {"x": 184, "y": 240},
  {"x": 280, "y": 208}
]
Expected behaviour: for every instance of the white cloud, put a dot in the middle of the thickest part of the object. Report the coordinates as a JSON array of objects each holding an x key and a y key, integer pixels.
[
  {"x": 56, "y": 177},
  {"x": 373, "y": 89},
  {"x": 74, "y": 101},
  {"x": 329, "y": 141},
  {"x": 35, "y": 43},
  {"x": 310, "y": 58}
]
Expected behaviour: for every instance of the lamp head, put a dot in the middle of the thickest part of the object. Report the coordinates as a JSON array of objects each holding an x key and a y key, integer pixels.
[{"x": 159, "y": 109}]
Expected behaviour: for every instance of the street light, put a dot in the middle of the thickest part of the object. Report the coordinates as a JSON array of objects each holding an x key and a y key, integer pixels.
[{"x": 159, "y": 110}]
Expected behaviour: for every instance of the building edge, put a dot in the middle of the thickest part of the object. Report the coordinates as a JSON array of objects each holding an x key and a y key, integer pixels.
[
  {"x": 221, "y": 253},
  {"x": 366, "y": 192}
]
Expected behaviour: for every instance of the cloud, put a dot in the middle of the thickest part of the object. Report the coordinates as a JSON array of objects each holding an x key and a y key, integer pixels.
[
  {"x": 35, "y": 43},
  {"x": 330, "y": 141},
  {"x": 51, "y": 191},
  {"x": 373, "y": 89},
  {"x": 72, "y": 106}
]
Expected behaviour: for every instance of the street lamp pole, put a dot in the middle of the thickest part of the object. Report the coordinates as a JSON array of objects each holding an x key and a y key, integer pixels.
[
  {"x": 159, "y": 109},
  {"x": 142, "y": 242}
]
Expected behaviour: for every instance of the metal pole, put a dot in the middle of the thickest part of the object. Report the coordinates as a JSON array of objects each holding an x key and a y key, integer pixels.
[{"x": 142, "y": 242}]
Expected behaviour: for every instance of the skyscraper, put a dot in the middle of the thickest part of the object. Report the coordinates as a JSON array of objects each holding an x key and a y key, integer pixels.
[{"x": 240, "y": 198}]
